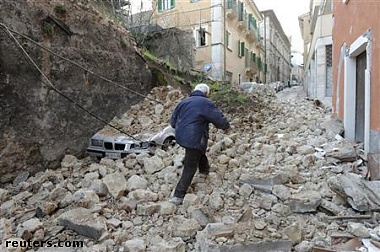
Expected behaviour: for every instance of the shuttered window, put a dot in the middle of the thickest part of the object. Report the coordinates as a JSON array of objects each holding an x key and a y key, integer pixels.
[
  {"x": 241, "y": 46},
  {"x": 164, "y": 5}
]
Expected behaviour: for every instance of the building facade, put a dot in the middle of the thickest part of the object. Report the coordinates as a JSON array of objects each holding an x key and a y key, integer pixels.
[
  {"x": 356, "y": 75},
  {"x": 226, "y": 35},
  {"x": 316, "y": 30},
  {"x": 277, "y": 49}
]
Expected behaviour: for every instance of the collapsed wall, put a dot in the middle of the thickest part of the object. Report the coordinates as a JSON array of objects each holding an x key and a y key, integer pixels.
[{"x": 37, "y": 125}]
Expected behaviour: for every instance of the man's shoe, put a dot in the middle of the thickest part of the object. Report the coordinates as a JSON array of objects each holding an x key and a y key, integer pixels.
[
  {"x": 204, "y": 173},
  {"x": 176, "y": 200}
]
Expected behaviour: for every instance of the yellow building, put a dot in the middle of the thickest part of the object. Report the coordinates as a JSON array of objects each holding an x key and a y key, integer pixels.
[{"x": 226, "y": 35}]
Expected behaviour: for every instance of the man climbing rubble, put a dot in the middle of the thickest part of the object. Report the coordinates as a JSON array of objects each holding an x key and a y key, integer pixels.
[{"x": 191, "y": 119}]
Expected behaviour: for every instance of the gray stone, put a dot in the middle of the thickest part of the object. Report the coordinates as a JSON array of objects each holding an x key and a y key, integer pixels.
[
  {"x": 305, "y": 202},
  {"x": 114, "y": 222},
  {"x": 185, "y": 227},
  {"x": 135, "y": 245},
  {"x": 190, "y": 200},
  {"x": 136, "y": 182},
  {"x": 82, "y": 221},
  {"x": 21, "y": 177},
  {"x": 361, "y": 194},
  {"x": 304, "y": 246},
  {"x": 331, "y": 207},
  {"x": 3, "y": 195},
  {"x": 85, "y": 198},
  {"x": 143, "y": 195},
  {"x": 201, "y": 217},
  {"x": 358, "y": 230},
  {"x": 266, "y": 184},
  {"x": 294, "y": 233},
  {"x": 69, "y": 161},
  {"x": 153, "y": 164},
  {"x": 30, "y": 225},
  {"x": 281, "y": 191},
  {"x": 167, "y": 208},
  {"x": 99, "y": 187},
  {"x": 175, "y": 244},
  {"x": 216, "y": 201},
  {"x": 116, "y": 184},
  {"x": 148, "y": 209},
  {"x": 245, "y": 190}
]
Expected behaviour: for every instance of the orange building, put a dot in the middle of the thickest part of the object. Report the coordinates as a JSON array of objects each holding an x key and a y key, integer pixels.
[{"x": 356, "y": 73}]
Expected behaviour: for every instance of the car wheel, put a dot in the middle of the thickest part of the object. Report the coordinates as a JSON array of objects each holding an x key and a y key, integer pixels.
[{"x": 170, "y": 141}]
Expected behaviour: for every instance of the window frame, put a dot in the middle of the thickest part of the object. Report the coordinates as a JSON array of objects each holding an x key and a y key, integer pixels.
[
  {"x": 165, "y": 5},
  {"x": 198, "y": 37}
]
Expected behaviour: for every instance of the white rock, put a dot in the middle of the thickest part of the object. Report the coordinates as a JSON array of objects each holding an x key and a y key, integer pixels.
[
  {"x": 85, "y": 198},
  {"x": 245, "y": 190},
  {"x": 116, "y": 184},
  {"x": 153, "y": 164},
  {"x": 136, "y": 182}
]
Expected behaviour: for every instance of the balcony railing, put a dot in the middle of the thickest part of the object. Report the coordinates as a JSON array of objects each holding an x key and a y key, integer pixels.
[
  {"x": 242, "y": 21},
  {"x": 251, "y": 67},
  {"x": 232, "y": 9},
  {"x": 251, "y": 34}
]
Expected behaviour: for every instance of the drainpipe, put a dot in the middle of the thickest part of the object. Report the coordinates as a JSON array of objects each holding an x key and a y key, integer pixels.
[
  {"x": 224, "y": 41},
  {"x": 265, "y": 49}
]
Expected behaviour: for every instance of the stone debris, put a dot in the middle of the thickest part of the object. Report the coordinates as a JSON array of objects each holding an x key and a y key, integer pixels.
[
  {"x": 83, "y": 221},
  {"x": 275, "y": 180}
]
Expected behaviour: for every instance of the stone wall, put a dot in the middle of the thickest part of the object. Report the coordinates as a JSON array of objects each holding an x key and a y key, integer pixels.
[
  {"x": 173, "y": 45},
  {"x": 37, "y": 125}
]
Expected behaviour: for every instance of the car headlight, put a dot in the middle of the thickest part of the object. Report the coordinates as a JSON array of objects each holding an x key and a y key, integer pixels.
[{"x": 97, "y": 142}]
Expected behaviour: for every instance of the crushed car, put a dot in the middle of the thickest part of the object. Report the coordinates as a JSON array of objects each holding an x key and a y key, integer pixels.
[{"x": 107, "y": 143}]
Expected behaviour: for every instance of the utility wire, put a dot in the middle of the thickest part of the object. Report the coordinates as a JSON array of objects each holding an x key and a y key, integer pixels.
[{"x": 50, "y": 84}]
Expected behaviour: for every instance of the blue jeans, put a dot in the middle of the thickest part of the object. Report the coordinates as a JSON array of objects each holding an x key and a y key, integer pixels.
[{"x": 194, "y": 158}]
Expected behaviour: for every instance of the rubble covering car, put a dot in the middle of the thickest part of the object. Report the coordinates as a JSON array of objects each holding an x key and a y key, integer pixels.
[{"x": 107, "y": 143}]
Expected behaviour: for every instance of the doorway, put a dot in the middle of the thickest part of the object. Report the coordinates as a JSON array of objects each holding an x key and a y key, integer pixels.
[{"x": 361, "y": 65}]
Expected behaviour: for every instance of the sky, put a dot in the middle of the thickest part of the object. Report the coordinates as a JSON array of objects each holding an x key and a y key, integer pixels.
[{"x": 287, "y": 13}]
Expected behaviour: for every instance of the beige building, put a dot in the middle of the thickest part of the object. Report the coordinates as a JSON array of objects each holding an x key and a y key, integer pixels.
[
  {"x": 226, "y": 36},
  {"x": 316, "y": 29},
  {"x": 277, "y": 49}
]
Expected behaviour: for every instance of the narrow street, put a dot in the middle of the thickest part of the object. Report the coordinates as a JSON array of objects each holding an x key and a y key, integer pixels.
[
  {"x": 270, "y": 187},
  {"x": 292, "y": 93}
]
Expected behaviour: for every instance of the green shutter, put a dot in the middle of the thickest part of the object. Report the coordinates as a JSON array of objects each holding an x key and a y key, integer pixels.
[
  {"x": 172, "y": 4},
  {"x": 249, "y": 21},
  {"x": 241, "y": 11},
  {"x": 159, "y": 5},
  {"x": 242, "y": 48}
]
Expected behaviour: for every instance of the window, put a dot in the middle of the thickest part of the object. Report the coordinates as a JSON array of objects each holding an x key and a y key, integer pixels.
[
  {"x": 228, "y": 39},
  {"x": 241, "y": 48},
  {"x": 164, "y": 5},
  {"x": 193, "y": 1},
  {"x": 253, "y": 57},
  {"x": 240, "y": 11},
  {"x": 201, "y": 37}
]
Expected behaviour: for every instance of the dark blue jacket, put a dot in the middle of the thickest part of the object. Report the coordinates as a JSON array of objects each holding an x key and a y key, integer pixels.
[{"x": 191, "y": 120}]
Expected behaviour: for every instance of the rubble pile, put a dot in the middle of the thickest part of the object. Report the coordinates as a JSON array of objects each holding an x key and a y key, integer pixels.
[{"x": 283, "y": 179}]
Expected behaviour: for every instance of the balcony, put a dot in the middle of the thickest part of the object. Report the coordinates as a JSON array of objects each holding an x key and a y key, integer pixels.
[
  {"x": 250, "y": 67},
  {"x": 242, "y": 21},
  {"x": 232, "y": 9},
  {"x": 251, "y": 35}
]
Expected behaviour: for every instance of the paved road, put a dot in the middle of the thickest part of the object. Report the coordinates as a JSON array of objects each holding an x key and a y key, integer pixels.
[
  {"x": 291, "y": 93},
  {"x": 297, "y": 92}
]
